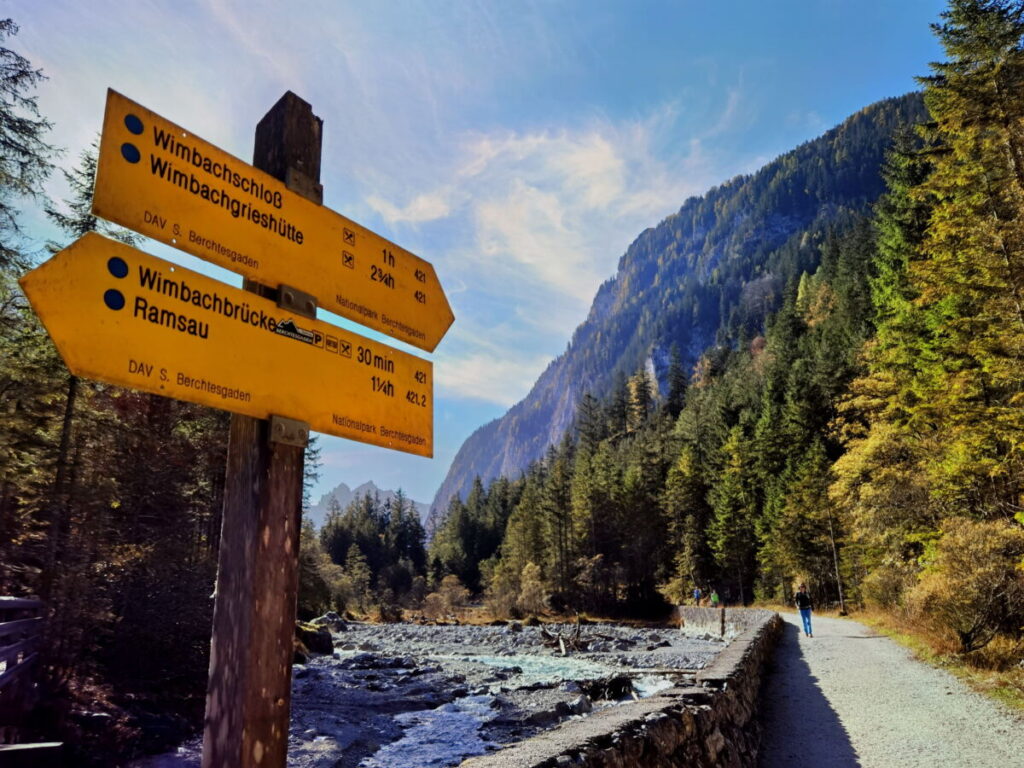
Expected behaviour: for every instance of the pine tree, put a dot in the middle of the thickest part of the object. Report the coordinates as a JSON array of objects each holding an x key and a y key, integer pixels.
[
  {"x": 590, "y": 425},
  {"x": 617, "y": 407},
  {"x": 359, "y": 576},
  {"x": 676, "y": 384},
  {"x": 558, "y": 512},
  {"x": 687, "y": 514},
  {"x": 640, "y": 398},
  {"x": 970, "y": 282},
  {"x": 77, "y": 218},
  {"x": 526, "y": 538},
  {"x": 25, "y": 156},
  {"x": 731, "y": 532}
]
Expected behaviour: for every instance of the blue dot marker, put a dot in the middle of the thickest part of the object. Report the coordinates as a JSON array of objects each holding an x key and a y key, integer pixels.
[
  {"x": 133, "y": 124},
  {"x": 130, "y": 153},
  {"x": 117, "y": 267},
  {"x": 113, "y": 299}
]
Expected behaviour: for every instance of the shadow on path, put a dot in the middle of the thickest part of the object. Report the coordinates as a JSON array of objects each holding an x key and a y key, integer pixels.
[{"x": 800, "y": 728}]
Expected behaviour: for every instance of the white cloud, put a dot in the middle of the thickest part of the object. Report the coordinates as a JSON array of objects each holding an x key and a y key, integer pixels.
[
  {"x": 533, "y": 228},
  {"x": 552, "y": 210},
  {"x": 533, "y": 222},
  {"x": 424, "y": 207},
  {"x": 483, "y": 376}
]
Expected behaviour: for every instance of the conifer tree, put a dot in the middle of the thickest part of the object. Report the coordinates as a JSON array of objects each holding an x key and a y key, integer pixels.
[
  {"x": 677, "y": 383},
  {"x": 640, "y": 399},
  {"x": 688, "y": 514},
  {"x": 359, "y": 576},
  {"x": 25, "y": 156},
  {"x": 558, "y": 511},
  {"x": 970, "y": 282},
  {"x": 731, "y": 531}
]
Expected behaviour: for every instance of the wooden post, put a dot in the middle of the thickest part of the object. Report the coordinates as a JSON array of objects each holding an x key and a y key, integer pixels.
[{"x": 249, "y": 694}]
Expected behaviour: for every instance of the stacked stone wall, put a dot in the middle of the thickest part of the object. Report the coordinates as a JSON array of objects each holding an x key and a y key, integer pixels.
[
  {"x": 728, "y": 622},
  {"x": 712, "y": 723}
]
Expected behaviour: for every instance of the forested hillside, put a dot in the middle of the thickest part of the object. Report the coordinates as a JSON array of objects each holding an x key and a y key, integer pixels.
[
  {"x": 857, "y": 421},
  {"x": 707, "y": 274}
]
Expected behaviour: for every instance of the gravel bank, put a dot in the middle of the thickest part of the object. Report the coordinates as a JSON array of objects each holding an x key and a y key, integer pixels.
[
  {"x": 848, "y": 697},
  {"x": 427, "y": 696}
]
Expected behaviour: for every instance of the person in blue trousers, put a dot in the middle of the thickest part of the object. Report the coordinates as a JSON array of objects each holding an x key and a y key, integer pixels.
[{"x": 803, "y": 604}]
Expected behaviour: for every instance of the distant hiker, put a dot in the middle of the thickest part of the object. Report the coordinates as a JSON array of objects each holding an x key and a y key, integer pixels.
[
  {"x": 697, "y": 595},
  {"x": 714, "y": 598},
  {"x": 803, "y": 603}
]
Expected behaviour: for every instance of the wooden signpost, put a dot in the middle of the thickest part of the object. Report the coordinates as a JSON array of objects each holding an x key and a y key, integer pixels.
[
  {"x": 126, "y": 317},
  {"x": 163, "y": 181}
]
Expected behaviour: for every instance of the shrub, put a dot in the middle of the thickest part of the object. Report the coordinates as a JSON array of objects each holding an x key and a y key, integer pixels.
[
  {"x": 388, "y": 613},
  {"x": 433, "y": 606},
  {"x": 453, "y": 593},
  {"x": 502, "y": 592},
  {"x": 887, "y": 585},
  {"x": 449, "y": 597},
  {"x": 531, "y": 589},
  {"x": 972, "y": 585}
]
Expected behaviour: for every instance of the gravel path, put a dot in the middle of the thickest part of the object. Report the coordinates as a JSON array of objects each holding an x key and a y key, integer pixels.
[{"x": 849, "y": 697}]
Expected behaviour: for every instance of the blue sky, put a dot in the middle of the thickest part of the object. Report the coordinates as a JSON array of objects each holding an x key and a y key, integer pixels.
[{"x": 518, "y": 146}]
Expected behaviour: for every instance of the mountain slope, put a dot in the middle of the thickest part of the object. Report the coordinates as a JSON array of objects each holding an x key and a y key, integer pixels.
[{"x": 706, "y": 274}]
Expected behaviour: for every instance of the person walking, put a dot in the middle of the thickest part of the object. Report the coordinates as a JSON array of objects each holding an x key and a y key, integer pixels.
[
  {"x": 714, "y": 598},
  {"x": 804, "y": 605},
  {"x": 697, "y": 595}
]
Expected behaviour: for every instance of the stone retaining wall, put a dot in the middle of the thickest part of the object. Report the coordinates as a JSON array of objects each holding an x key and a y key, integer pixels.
[
  {"x": 721, "y": 622},
  {"x": 710, "y": 724}
]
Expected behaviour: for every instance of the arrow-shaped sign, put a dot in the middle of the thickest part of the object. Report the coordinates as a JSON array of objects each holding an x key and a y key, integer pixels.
[
  {"x": 125, "y": 317},
  {"x": 166, "y": 183}
]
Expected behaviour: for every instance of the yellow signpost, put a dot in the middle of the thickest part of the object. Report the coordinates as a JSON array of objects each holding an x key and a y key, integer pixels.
[
  {"x": 125, "y": 317},
  {"x": 160, "y": 180}
]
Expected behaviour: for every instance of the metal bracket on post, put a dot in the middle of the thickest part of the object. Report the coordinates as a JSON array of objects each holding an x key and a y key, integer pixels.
[
  {"x": 289, "y": 431},
  {"x": 296, "y": 301}
]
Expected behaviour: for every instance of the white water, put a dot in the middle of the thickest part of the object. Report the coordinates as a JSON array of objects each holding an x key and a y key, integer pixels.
[
  {"x": 649, "y": 685},
  {"x": 437, "y": 737}
]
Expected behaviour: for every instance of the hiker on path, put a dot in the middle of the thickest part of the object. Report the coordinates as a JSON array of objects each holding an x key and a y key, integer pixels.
[
  {"x": 803, "y": 604},
  {"x": 714, "y": 598},
  {"x": 697, "y": 595}
]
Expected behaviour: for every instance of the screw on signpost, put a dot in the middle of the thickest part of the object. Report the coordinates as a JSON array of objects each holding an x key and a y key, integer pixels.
[{"x": 249, "y": 694}]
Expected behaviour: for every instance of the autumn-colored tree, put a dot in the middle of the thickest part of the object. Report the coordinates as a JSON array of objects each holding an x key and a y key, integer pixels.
[{"x": 972, "y": 585}]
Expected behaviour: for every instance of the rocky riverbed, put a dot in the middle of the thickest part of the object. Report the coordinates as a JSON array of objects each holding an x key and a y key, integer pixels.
[{"x": 420, "y": 696}]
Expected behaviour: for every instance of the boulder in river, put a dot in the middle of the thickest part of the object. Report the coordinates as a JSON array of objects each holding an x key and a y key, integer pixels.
[
  {"x": 331, "y": 620},
  {"x": 580, "y": 705},
  {"x": 316, "y": 638},
  {"x": 609, "y": 688}
]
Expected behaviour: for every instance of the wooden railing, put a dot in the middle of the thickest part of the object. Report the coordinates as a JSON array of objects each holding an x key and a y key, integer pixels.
[{"x": 21, "y": 622}]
